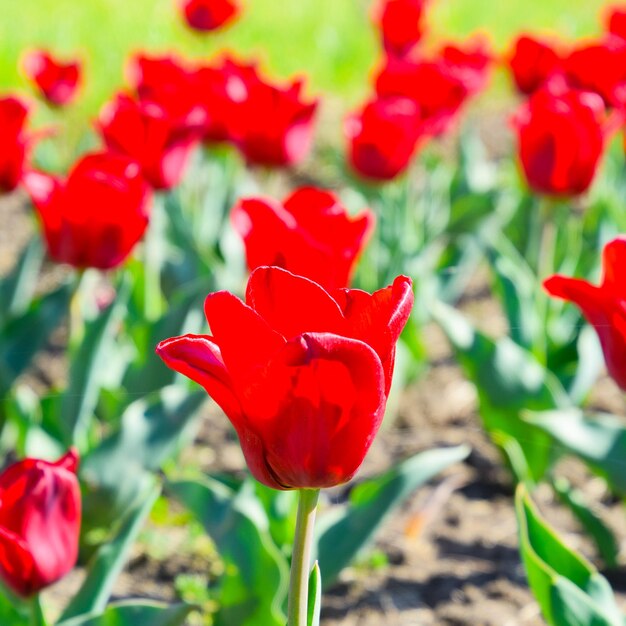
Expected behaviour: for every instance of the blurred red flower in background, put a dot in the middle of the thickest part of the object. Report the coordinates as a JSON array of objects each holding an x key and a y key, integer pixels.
[
  {"x": 599, "y": 66},
  {"x": 274, "y": 125},
  {"x": 171, "y": 83},
  {"x": 561, "y": 138},
  {"x": 383, "y": 137},
  {"x": 40, "y": 515},
  {"x": 55, "y": 80},
  {"x": 533, "y": 61},
  {"x": 223, "y": 87},
  {"x": 439, "y": 86},
  {"x": 147, "y": 133},
  {"x": 302, "y": 374},
  {"x": 400, "y": 23},
  {"x": 310, "y": 233},
  {"x": 604, "y": 306},
  {"x": 14, "y": 141},
  {"x": 95, "y": 217},
  {"x": 616, "y": 21},
  {"x": 209, "y": 15}
]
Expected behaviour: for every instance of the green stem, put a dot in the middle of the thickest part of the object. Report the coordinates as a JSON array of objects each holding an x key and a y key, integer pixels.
[
  {"x": 301, "y": 558},
  {"x": 36, "y": 613}
]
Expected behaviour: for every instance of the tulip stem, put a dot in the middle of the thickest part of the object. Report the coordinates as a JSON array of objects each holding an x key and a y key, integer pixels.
[
  {"x": 301, "y": 558},
  {"x": 36, "y": 613}
]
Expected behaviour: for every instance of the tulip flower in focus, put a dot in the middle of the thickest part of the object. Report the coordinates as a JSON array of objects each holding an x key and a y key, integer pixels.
[
  {"x": 604, "y": 306},
  {"x": 302, "y": 373},
  {"x": 223, "y": 89},
  {"x": 561, "y": 138},
  {"x": 170, "y": 83},
  {"x": 209, "y": 15},
  {"x": 56, "y": 81},
  {"x": 533, "y": 62},
  {"x": 275, "y": 124},
  {"x": 147, "y": 133},
  {"x": 309, "y": 233},
  {"x": 96, "y": 215},
  {"x": 40, "y": 514},
  {"x": 400, "y": 23},
  {"x": 383, "y": 137},
  {"x": 14, "y": 142}
]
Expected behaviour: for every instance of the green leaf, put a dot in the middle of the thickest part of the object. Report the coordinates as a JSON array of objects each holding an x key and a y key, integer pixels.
[
  {"x": 569, "y": 590},
  {"x": 151, "y": 431},
  {"x": 599, "y": 440},
  {"x": 601, "y": 534},
  {"x": 254, "y": 586},
  {"x": 109, "y": 560},
  {"x": 17, "y": 289},
  {"x": 133, "y": 613},
  {"x": 343, "y": 532},
  {"x": 87, "y": 368},
  {"x": 508, "y": 380},
  {"x": 24, "y": 336},
  {"x": 314, "y": 606}
]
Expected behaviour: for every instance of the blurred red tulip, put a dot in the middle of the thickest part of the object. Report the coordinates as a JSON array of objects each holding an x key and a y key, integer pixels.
[
  {"x": 275, "y": 124},
  {"x": 533, "y": 62},
  {"x": 223, "y": 88},
  {"x": 616, "y": 21},
  {"x": 602, "y": 306},
  {"x": 470, "y": 62},
  {"x": 302, "y": 374},
  {"x": 40, "y": 514},
  {"x": 310, "y": 233},
  {"x": 383, "y": 137},
  {"x": 56, "y": 81},
  {"x": 561, "y": 138},
  {"x": 400, "y": 23},
  {"x": 600, "y": 67},
  {"x": 14, "y": 142},
  {"x": 146, "y": 133},
  {"x": 172, "y": 84},
  {"x": 439, "y": 86},
  {"x": 95, "y": 217},
  {"x": 209, "y": 15}
]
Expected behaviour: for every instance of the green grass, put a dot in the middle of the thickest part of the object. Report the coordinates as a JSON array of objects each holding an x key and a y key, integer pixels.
[{"x": 331, "y": 40}]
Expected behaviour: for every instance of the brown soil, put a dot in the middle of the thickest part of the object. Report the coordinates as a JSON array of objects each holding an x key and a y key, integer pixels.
[{"x": 452, "y": 550}]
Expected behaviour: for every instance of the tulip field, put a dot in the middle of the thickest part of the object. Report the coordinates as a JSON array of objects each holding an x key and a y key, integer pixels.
[{"x": 313, "y": 315}]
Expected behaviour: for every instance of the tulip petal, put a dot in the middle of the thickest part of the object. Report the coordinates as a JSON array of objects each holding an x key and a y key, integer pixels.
[
  {"x": 317, "y": 407},
  {"x": 16, "y": 563},
  {"x": 244, "y": 338},
  {"x": 378, "y": 319},
  {"x": 614, "y": 264},
  {"x": 292, "y": 304},
  {"x": 199, "y": 358}
]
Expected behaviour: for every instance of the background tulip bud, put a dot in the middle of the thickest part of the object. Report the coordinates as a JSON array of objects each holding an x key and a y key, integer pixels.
[{"x": 40, "y": 513}]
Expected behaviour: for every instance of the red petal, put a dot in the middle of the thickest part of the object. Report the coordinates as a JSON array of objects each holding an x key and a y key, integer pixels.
[{"x": 292, "y": 304}]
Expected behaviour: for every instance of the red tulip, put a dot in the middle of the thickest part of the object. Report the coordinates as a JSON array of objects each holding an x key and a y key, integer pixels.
[
  {"x": 275, "y": 125},
  {"x": 145, "y": 132},
  {"x": 603, "y": 306},
  {"x": 95, "y": 217},
  {"x": 616, "y": 22},
  {"x": 209, "y": 15},
  {"x": 561, "y": 138},
  {"x": 401, "y": 24},
  {"x": 14, "y": 142},
  {"x": 172, "y": 84},
  {"x": 302, "y": 374},
  {"x": 533, "y": 62},
  {"x": 437, "y": 87},
  {"x": 470, "y": 62},
  {"x": 56, "y": 81},
  {"x": 223, "y": 89},
  {"x": 599, "y": 67},
  {"x": 383, "y": 137},
  {"x": 40, "y": 512},
  {"x": 309, "y": 233}
]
